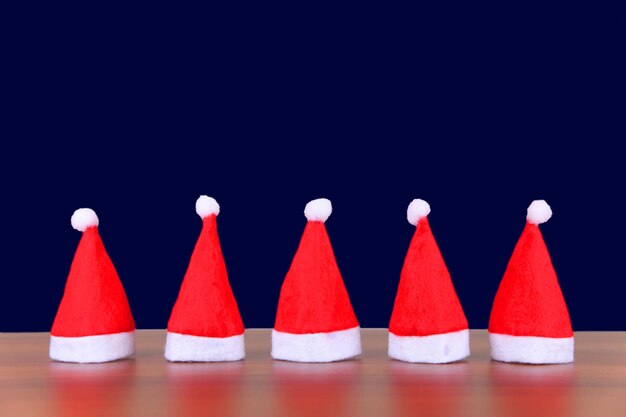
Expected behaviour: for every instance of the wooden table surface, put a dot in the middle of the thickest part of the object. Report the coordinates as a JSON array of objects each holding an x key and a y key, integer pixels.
[{"x": 373, "y": 385}]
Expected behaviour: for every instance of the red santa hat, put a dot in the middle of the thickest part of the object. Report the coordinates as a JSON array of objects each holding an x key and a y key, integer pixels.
[
  {"x": 529, "y": 319},
  {"x": 427, "y": 324},
  {"x": 205, "y": 325},
  {"x": 94, "y": 322},
  {"x": 315, "y": 321}
]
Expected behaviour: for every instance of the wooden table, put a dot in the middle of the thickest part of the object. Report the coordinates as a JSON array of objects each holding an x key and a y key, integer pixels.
[{"x": 31, "y": 385}]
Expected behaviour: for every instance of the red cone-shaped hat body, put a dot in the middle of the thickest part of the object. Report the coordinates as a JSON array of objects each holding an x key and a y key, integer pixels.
[
  {"x": 529, "y": 301},
  {"x": 206, "y": 305},
  {"x": 313, "y": 298},
  {"x": 94, "y": 302},
  {"x": 426, "y": 303}
]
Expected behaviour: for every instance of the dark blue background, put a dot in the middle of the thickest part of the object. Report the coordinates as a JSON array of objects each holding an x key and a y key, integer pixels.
[{"x": 134, "y": 113}]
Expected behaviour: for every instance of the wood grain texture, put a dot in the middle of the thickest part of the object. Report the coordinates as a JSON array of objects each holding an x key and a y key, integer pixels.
[{"x": 373, "y": 385}]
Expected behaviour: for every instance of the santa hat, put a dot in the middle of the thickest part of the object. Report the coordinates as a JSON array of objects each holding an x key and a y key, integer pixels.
[
  {"x": 205, "y": 325},
  {"x": 315, "y": 321},
  {"x": 529, "y": 320},
  {"x": 94, "y": 322},
  {"x": 427, "y": 324}
]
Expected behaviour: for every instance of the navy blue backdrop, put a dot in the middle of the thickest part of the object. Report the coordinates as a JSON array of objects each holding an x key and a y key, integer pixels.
[{"x": 479, "y": 114}]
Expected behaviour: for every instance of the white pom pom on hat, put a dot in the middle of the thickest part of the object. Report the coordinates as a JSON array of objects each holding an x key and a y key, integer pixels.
[
  {"x": 418, "y": 209},
  {"x": 318, "y": 210},
  {"x": 538, "y": 212},
  {"x": 205, "y": 206},
  {"x": 83, "y": 218}
]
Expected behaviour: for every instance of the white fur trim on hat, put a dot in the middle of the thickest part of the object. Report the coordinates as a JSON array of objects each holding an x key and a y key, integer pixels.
[
  {"x": 538, "y": 212},
  {"x": 84, "y": 218},
  {"x": 418, "y": 209},
  {"x": 438, "y": 348},
  {"x": 318, "y": 210},
  {"x": 531, "y": 349},
  {"x": 205, "y": 206},
  {"x": 188, "y": 348},
  {"x": 92, "y": 349},
  {"x": 316, "y": 347}
]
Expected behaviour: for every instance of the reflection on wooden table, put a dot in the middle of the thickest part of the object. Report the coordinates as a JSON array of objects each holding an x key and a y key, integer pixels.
[{"x": 372, "y": 385}]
